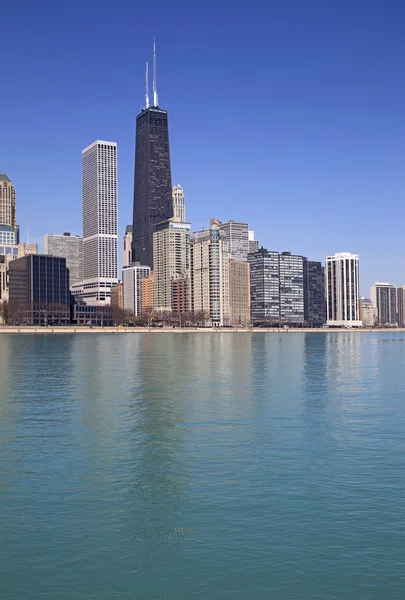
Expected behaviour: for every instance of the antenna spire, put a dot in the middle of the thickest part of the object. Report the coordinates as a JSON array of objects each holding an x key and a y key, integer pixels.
[
  {"x": 155, "y": 94},
  {"x": 147, "y": 86}
]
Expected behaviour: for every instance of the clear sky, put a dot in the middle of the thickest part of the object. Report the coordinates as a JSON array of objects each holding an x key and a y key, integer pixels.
[{"x": 287, "y": 114}]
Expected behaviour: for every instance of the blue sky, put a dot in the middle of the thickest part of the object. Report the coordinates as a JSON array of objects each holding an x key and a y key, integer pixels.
[{"x": 289, "y": 115}]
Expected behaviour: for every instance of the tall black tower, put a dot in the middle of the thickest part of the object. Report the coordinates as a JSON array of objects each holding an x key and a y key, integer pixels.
[{"x": 152, "y": 182}]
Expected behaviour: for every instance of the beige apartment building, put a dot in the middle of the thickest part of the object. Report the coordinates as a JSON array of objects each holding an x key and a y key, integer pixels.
[
  {"x": 171, "y": 257},
  {"x": 210, "y": 274},
  {"x": 239, "y": 293}
]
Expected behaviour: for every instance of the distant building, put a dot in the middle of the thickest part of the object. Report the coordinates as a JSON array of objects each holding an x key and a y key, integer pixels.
[
  {"x": 9, "y": 251},
  {"x": 179, "y": 208},
  {"x": 153, "y": 202},
  {"x": 291, "y": 277},
  {"x": 127, "y": 256},
  {"x": 69, "y": 247},
  {"x": 27, "y": 249},
  {"x": 3, "y": 279},
  {"x": 99, "y": 316},
  {"x": 368, "y": 312},
  {"x": 342, "y": 290},
  {"x": 148, "y": 292},
  {"x": 314, "y": 293},
  {"x": 401, "y": 306},
  {"x": 117, "y": 298},
  {"x": 100, "y": 223},
  {"x": 384, "y": 298},
  {"x": 171, "y": 257},
  {"x": 132, "y": 277},
  {"x": 180, "y": 289},
  {"x": 253, "y": 244},
  {"x": 239, "y": 293},
  {"x": 237, "y": 235},
  {"x": 264, "y": 287},
  {"x": 39, "y": 290},
  {"x": 8, "y": 210},
  {"x": 210, "y": 275},
  {"x": 7, "y": 235}
]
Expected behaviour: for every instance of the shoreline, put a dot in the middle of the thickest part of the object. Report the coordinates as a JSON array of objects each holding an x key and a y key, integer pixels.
[{"x": 16, "y": 329}]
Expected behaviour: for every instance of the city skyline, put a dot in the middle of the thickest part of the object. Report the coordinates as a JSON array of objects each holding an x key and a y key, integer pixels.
[{"x": 340, "y": 143}]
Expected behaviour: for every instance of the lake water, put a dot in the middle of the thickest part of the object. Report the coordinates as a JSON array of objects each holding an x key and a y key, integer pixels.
[{"x": 177, "y": 466}]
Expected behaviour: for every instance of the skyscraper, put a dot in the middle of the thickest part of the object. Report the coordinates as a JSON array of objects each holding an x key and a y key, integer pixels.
[
  {"x": 237, "y": 235},
  {"x": 127, "y": 256},
  {"x": 342, "y": 290},
  {"x": 69, "y": 247},
  {"x": 100, "y": 227},
  {"x": 239, "y": 293},
  {"x": 171, "y": 257},
  {"x": 210, "y": 274},
  {"x": 179, "y": 208},
  {"x": 291, "y": 288},
  {"x": 384, "y": 298},
  {"x": 153, "y": 201},
  {"x": 314, "y": 293},
  {"x": 401, "y": 306},
  {"x": 264, "y": 286},
  {"x": 8, "y": 218}
]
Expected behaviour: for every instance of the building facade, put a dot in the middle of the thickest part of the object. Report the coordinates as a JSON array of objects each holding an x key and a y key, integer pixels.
[
  {"x": 237, "y": 235},
  {"x": 210, "y": 275},
  {"x": 180, "y": 289},
  {"x": 127, "y": 256},
  {"x": 3, "y": 278},
  {"x": 132, "y": 277},
  {"x": 401, "y": 306},
  {"x": 148, "y": 292},
  {"x": 264, "y": 287},
  {"x": 291, "y": 277},
  {"x": 117, "y": 295},
  {"x": 239, "y": 293},
  {"x": 69, "y": 247},
  {"x": 39, "y": 290},
  {"x": 171, "y": 257},
  {"x": 253, "y": 244},
  {"x": 384, "y": 298},
  {"x": 314, "y": 293},
  {"x": 100, "y": 223},
  {"x": 8, "y": 208},
  {"x": 7, "y": 235},
  {"x": 153, "y": 201},
  {"x": 342, "y": 290},
  {"x": 179, "y": 208},
  {"x": 368, "y": 312}
]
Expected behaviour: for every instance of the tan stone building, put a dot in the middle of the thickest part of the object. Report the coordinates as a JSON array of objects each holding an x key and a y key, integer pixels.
[
  {"x": 27, "y": 249},
  {"x": 171, "y": 257},
  {"x": 7, "y": 202},
  {"x": 210, "y": 274},
  {"x": 117, "y": 295},
  {"x": 239, "y": 293}
]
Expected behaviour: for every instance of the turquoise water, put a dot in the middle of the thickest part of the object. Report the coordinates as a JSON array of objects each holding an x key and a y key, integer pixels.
[{"x": 231, "y": 466}]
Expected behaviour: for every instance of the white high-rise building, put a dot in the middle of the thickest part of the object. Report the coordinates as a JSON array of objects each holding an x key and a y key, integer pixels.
[
  {"x": 210, "y": 258},
  {"x": 342, "y": 290},
  {"x": 179, "y": 208},
  {"x": 100, "y": 223},
  {"x": 69, "y": 247},
  {"x": 127, "y": 256},
  {"x": 132, "y": 287},
  {"x": 253, "y": 244}
]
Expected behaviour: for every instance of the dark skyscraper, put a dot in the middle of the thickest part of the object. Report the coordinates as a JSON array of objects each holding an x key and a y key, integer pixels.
[
  {"x": 153, "y": 182},
  {"x": 314, "y": 293}
]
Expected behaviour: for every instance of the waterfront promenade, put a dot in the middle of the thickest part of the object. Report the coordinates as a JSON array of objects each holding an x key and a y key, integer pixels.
[{"x": 142, "y": 330}]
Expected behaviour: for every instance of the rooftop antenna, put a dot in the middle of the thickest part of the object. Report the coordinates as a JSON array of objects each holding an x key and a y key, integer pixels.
[
  {"x": 155, "y": 94},
  {"x": 147, "y": 86}
]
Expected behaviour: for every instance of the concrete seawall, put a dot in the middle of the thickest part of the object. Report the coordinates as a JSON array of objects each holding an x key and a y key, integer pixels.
[{"x": 142, "y": 330}]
